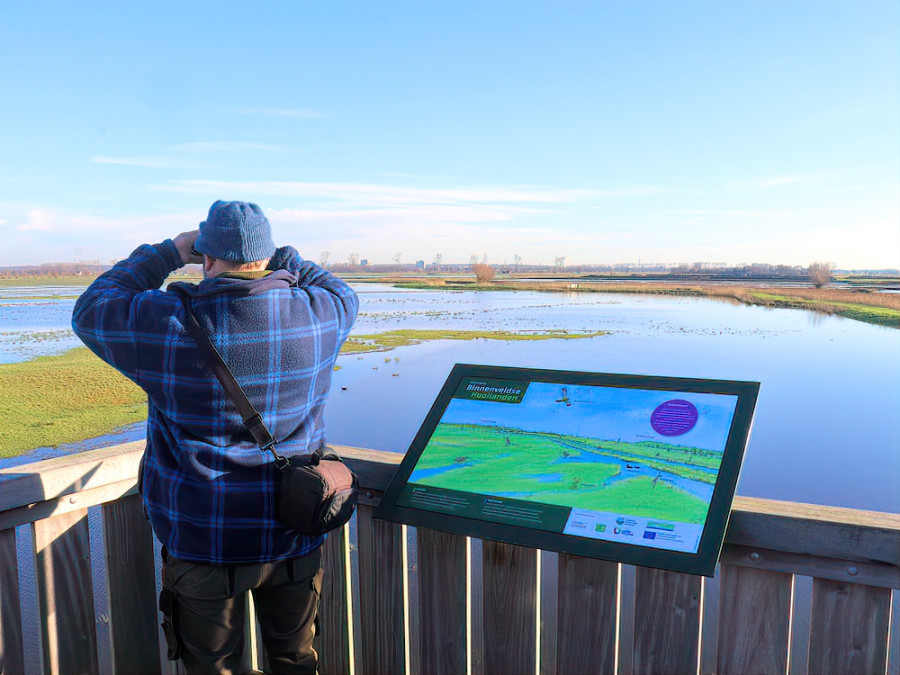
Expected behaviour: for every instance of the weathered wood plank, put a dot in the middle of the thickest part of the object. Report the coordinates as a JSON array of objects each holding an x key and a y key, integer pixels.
[
  {"x": 442, "y": 601},
  {"x": 667, "y": 622},
  {"x": 52, "y": 478},
  {"x": 854, "y": 571},
  {"x": 333, "y": 643},
  {"x": 381, "y": 574},
  {"x": 65, "y": 594},
  {"x": 131, "y": 580},
  {"x": 810, "y": 529},
  {"x": 586, "y": 615},
  {"x": 12, "y": 652},
  {"x": 77, "y": 501},
  {"x": 754, "y": 621},
  {"x": 849, "y": 632},
  {"x": 510, "y": 608}
]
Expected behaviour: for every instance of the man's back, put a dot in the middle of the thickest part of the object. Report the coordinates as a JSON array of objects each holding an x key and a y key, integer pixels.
[{"x": 208, "y": 490}]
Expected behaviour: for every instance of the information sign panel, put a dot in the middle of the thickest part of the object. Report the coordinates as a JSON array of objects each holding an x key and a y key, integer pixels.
[{"x": 630, "y": 468}]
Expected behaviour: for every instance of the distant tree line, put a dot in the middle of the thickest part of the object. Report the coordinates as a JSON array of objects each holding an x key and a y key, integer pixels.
[
  {"x": 56, "y": 269},
  {"x": 817, "y": 273},
  {"x": 753, "y": 271}
]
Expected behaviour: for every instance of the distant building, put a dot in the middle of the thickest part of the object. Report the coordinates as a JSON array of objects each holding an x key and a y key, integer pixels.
[
  {"x": 420, "y": 264},
  {"x": 364, "y": 262}
]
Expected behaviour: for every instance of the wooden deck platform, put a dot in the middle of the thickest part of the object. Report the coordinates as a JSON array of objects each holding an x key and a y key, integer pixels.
[{"x": 801, "y": 590}]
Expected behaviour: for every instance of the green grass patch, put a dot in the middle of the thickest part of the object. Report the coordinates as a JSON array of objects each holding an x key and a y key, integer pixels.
[
  {"x": 380, "y": 342},
  {"x": 63, "y": 399}
]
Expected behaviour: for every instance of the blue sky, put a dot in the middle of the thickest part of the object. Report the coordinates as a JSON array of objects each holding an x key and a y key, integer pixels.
[
  {"x": 600, "y": 412},
  {"x": 604, "y": 132}
]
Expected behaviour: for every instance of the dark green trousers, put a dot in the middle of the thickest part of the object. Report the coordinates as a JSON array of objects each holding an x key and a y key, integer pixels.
[{"x": 204, "y": 607}]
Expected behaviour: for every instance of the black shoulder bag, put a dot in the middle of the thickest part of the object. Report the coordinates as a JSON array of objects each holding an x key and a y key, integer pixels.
[{"x": 318, "y": 493}]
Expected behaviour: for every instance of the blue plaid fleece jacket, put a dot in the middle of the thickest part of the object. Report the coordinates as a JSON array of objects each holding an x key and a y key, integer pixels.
[{"x": 208, "y": 490}]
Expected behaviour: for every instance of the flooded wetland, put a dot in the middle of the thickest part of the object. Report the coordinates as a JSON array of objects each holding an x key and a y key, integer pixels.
[{"x": 826, "y": 428}]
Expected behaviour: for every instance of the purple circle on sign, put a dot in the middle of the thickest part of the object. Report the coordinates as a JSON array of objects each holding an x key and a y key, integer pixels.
[{"x": 674, "y": 417}]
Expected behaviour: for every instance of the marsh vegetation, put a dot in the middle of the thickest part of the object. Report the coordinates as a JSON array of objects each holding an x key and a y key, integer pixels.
[{"x": 861, "y": 304}]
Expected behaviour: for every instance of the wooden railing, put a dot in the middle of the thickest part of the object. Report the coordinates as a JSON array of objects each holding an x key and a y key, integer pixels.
[{"x": 801, "y": 589}]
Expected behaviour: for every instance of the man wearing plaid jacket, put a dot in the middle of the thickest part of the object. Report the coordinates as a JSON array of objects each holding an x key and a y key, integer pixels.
[{"x": 279, "y": 322}]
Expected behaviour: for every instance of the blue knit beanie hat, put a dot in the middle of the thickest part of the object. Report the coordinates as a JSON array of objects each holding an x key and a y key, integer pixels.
[{"x": 235, "y": 231}]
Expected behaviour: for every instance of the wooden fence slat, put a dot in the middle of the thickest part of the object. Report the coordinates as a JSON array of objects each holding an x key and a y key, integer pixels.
[
  {"x": 333, "y": 642},
  {"x": 754, "y": 621},
  {"x": 381, "y": 568},
  {"x": 442, "y": 601},
  {"x": 65, "y": 593},
  {"x": 510, "y": 608},
  {"x": 849, "y": 631},
  {"x": 666, "y": 622},
  {"x": 12, "y": 650},
  {"x": 131, "y": 580},
  {"x": 586, "y": 615}
]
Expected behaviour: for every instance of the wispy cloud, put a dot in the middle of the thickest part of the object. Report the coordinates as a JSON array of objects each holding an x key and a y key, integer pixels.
[
  {"x": 413, "y": 176},
  {"x": 57, "y": 222},
  {"x": 188, "y": 155},
  {"x": 148, "y": 162},
  {"x": 284, "y": 112},
  {"x": 47, "y": 234},
  {"x": 373, "y": 195},
  {"x": 226, "y": 146},
  {"x": 726, "y": 213},
  {"x": 763, "y": 182},
  {"x": 37, "y": 220},
  {"x": 780, "y": 180}
]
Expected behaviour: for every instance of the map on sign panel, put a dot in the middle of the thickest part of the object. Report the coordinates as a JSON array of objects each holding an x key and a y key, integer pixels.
[{"x": 628, "y": 465}]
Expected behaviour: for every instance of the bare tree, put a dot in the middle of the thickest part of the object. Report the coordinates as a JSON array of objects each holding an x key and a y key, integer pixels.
[
  {"x": 560, "y": 262},
  {"x": 323, "y": 258},
  {"x": 397, "y": 258},
  {"x": 517, "y": 259},
  {"x": 438, "y": 259},
  {"x": 473, "y": 259},
  {"x": 820, "y": 273},
  {"x": 353, "y": 259}
]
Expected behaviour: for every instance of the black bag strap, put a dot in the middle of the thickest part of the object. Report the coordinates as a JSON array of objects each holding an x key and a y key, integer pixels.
[{"x": 251, "y": 417}]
